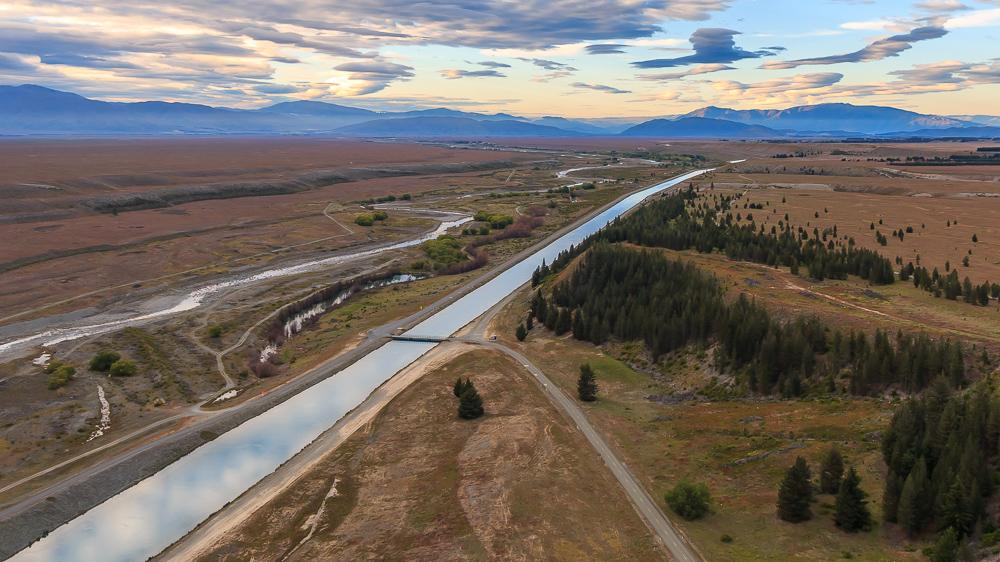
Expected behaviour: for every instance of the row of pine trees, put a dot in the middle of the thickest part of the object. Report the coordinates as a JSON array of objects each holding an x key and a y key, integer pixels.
[{"x": 639, "y": 295}]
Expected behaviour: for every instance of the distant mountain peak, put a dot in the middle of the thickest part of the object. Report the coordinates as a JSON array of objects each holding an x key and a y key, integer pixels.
[
  {"x": 839, "y": 116},
  {"x": 30, "y": 109}
]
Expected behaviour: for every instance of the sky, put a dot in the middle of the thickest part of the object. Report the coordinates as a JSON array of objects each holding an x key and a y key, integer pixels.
[{"x": 567, "y": 58}]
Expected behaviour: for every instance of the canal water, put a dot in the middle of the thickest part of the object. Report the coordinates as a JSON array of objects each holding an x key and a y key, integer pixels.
[{"x": 148, "y": 517}]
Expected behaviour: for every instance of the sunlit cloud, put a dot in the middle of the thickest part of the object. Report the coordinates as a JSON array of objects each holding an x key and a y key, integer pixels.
[
  {"x": 606, "y": 49},
  {"x": 878, "y": 50},
  {"x": 711, "y": 45},
  {"x": 699, "y": 69},
  {"x": 454, "y": 73},
  {"x": 941, "y": 6},
  {"x": 599, "y": 88}
]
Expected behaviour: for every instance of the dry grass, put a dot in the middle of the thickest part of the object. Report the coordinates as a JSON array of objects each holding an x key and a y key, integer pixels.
[
  {"x": 422, "y": 484},
  {"x": 695, "y": 441}
]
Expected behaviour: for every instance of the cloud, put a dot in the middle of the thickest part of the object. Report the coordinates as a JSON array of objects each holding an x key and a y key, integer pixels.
[
  {"x": 605, "y": 48},
  {"x": 454, "y": 73},
  {"x": 779, "y": 90},
  {"x": 711, "y": 45},
  {"x": 949, "y": 72},
  {"x": 978, "y": 18},
  {"x": 941, "y": 6},
  {"x": 366, "y": 77},
  {"x": 599, "y": 88},
  {"x": 12, "y": 63},
  {"x": 548, "y": 64},
  {"x": 491, "y": 64},
  {"x": 878, "y": 50},
  {"x": 189, "y": 48},
  {"x": 551, "y": 76},
  {"x": 276, "y": 89},
  {"x": 945, "y": 76},
  {"x": 491, "y": 24},
  {"x": 699, "y": 69},
  {"x": 85, "y": 62}
]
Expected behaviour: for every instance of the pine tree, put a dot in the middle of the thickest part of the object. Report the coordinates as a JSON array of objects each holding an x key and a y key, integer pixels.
[
  {"x": 470, "y": 405},
  {"x": 564, "y": 322},
  {"x": 586, "y": 386},
  {"x": 460, "y": 386},
  {"x": 890, "y": 497},
  {"x": 946, "y": 549},
  {"x": 851, "y": 510},
  {"x": 910, "y": 512},
  {"x": 956, "y": 510},
  {"x": 529, "y": 323},
  {"x": 795, "y": 493},
  {"x": 831, "y": 471},
  {"x": 521, "y": 332}
]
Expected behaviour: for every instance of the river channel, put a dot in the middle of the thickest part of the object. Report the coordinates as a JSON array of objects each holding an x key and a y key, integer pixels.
[{"x": 148, "y": 517}]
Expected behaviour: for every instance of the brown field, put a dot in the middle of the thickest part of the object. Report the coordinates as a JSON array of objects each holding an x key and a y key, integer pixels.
[
  {"x": 421, "y": 484},
  {"x": 854, "y": 212},
  {"x": 188, "y": 160},
  {"x": 79, "y": 251}
]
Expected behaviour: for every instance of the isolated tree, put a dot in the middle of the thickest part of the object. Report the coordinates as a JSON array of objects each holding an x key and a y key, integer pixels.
[
  {"x": 965, "y": 261},
  {"x": 851, "y": 510},
  {"x": 690, "y": 501},
  {"x": 461, "y": 386},
  {"x": 831, "y": 471},
  {"x": 470, "y": 404},
  {"x": 586, "y": 386},
  {"x": 795, "y": 493},
  {"x": 975, "y": 238},
  {"x": 521, "y": 332},
  {"x": 124, "y": 368},
  {"x": 103, "y": 361}
]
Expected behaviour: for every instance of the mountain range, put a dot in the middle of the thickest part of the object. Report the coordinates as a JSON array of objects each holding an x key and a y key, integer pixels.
[{"x": 30, "y": 110}]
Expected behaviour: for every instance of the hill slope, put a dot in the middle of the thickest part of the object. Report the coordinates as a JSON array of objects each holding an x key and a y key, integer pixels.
[{"x": 699, "y": 127}]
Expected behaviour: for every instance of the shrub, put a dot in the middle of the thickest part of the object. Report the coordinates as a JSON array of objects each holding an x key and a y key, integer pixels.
[
  {"x": 726, "y": 537},
  {"x": 364, "y": 220},
  {"x": 406, "y": 197},
  {"x": 266, "y": 369},
  {"x": 61, "y": 377},
  {"x": 53, "y": 366},
  {"x": 124, "y": 368},
  {"x": 446, "y": 250},
  {"x": 103, "y": 361},
  {"x": 690, "y": 501},
  {"x": 214, "y": 331},
  {"x": 380, "y": 215}
]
